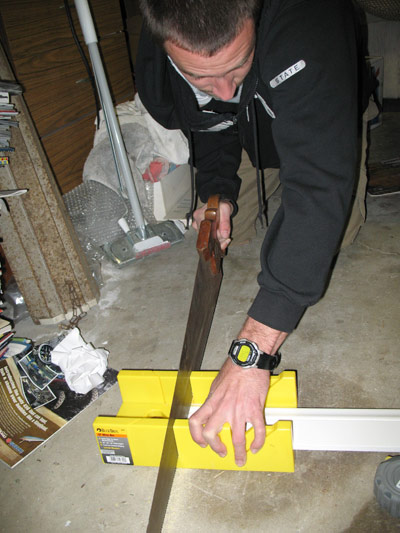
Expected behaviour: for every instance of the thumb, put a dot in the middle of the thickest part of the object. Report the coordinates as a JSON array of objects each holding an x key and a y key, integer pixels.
[{"x": 224, "y": 226}]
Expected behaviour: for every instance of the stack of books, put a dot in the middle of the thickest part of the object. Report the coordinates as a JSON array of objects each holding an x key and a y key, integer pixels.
[
  {"x": 6, "y": 332},
  {"x": 6, "y": 335},
  {"x": 8, "y": 115}
]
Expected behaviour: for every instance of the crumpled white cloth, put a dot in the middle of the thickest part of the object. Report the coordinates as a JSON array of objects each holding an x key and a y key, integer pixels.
[
  {"x": 82, "y": 364},
  {"x": 145, "y": 141},
  {"x": 168, "y": 144}
]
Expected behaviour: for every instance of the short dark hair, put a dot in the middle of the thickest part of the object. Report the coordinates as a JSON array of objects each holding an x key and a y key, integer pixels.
[{"x": 203, "y": 26}]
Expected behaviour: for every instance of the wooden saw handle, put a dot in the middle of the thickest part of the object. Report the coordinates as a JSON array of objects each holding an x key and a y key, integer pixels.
[{"x": 208, "y": 245}]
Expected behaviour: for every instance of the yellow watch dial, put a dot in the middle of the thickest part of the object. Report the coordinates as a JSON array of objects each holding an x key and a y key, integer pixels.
[{"x": 243, "y": 354}]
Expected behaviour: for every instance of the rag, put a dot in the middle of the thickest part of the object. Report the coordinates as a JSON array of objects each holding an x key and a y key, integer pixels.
[{"x": 82, "y": 364}]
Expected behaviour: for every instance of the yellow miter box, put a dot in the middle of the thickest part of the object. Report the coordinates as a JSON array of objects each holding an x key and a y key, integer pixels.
[{"x": 136, "y": 435}]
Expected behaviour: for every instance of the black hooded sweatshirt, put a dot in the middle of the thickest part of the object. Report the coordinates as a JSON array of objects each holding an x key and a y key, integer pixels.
[{"x": 299, "y": 111}]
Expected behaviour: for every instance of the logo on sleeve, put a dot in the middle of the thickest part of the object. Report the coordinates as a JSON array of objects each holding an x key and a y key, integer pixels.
[{"x": 288, "y": 73}]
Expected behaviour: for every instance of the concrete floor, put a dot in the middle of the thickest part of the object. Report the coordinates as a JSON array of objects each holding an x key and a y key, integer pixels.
[{"x": 346, "y": 351}]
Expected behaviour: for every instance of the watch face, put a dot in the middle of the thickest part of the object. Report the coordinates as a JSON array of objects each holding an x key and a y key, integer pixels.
[{"x": 243, "y": 353}]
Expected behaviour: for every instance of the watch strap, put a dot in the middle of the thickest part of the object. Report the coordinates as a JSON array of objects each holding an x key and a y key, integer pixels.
[{"x": 267, "y": 361}]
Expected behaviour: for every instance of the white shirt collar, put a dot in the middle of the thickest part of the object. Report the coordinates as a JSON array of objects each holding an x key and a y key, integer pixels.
[{"x": 202, "y": 97}]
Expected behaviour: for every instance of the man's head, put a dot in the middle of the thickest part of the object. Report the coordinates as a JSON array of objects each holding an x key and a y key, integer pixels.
[
  {"x": 211, "y": 41},
  {"x": 202, "y": 26}
]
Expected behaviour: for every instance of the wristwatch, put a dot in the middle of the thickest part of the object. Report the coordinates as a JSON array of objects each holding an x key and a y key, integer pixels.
[{"x": 247, "y": 354}]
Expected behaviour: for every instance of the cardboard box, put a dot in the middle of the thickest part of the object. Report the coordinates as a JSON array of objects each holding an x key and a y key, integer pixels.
[{"x": 172, "y": 195}]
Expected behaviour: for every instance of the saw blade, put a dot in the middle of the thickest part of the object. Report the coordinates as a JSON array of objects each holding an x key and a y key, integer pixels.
[{"x": 204, "y": 299}]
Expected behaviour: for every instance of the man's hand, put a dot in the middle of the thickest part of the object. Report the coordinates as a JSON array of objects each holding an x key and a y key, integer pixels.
[
  {"x": 224, "y": 225},
  {"x": 237, "y": 396}
]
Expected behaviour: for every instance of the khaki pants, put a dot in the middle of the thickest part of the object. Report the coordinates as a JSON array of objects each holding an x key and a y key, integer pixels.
[{"x": 244, "y": 223}]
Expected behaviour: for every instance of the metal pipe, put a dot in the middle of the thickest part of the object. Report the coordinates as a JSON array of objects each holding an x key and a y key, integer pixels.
[{"x": 116, "y": 139}]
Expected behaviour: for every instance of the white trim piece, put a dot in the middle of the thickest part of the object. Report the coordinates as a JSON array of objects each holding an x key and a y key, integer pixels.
[
  {"x": 359, "y": 430},
  {"x": 346, "y": 430}
]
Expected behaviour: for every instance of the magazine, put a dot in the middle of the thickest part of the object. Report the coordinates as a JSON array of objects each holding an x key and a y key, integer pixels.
[{"x": 36, "y": 402}]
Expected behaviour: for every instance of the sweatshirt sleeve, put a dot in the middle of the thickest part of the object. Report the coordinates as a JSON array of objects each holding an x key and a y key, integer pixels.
[
  {"x": 217, "y": 158},
  {"x": 315, "y": 133}
]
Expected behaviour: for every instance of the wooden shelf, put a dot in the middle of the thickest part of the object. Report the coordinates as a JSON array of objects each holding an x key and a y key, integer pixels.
[{"x": 57, "y": 88}]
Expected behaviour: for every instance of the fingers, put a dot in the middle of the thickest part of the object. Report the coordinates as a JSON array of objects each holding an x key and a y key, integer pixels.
[
  {"x": 259, "y": 434},
  {"x": 224, "y": 222},
  {"x": 239, "y": 437},
  {"x": 239, "y": 443},
  {"x": 198, "y": 216},
  {"x": 237, "y": 396},
  {"x": 224, "y": 226},
  {"x": 204, "y": 431},
  {"x": 196, "y": 422},
  {"x": 224, "y": 243}
]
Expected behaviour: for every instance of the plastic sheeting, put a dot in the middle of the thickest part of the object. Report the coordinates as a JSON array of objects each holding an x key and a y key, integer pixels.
[{"x": 145, "y": 140}]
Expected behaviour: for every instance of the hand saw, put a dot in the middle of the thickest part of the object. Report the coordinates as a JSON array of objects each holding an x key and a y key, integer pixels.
[{"x": 204, "y": 299}]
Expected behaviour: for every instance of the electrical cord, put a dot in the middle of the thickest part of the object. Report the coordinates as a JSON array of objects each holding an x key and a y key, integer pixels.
[
  {"x": 260, "y": 188},
  {"x": 193, "y": 197}
]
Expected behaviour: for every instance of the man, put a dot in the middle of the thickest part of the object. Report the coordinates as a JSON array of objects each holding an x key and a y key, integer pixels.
[{"x": 280, "y": 79}]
